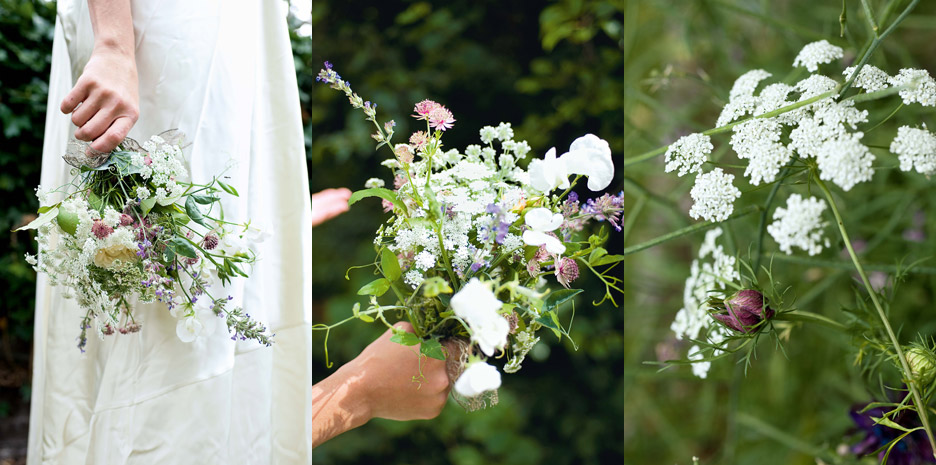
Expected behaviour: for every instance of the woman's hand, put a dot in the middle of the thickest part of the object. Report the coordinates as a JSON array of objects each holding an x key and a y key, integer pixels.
[
  {"x": 397, "y": 382},
  {"x": 328, "y": 204},
  {"x": 104, "y": 103}
]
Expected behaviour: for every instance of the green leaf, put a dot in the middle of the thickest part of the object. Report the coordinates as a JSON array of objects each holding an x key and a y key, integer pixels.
[
  {"x": 183, "y": 247},
  {"x": 356, "y": 309},
  {"x": 47, "y": 208},
  {"x": 404, "y": 338},
  {"x": 95, "y": 202},
  {"x": 147, "y": 205},
  {"x": 607, "y": 260},
  {"x": 432, "y": 348},
  {"x": 376, "y": 287},
  {"x": 596, "y": 254},
  {"x": 890, "y": 424},
  {"x": 43, "y": 218},
  {"x": 436, "y": 285},
  {"x": 390, "y": 265},
  {"x": 191, "y": 208},
  {"x": 381, "y": 192},
  {"x": 204, "y": 199},
  {"x": 68, "y": 221},
  {"x": 229, "y": 189},
  {"x": 366, "y": 318},
  {"x": 435, "y": 208},
  {"x": 554, "y": 299},
  {"x": 551, "y": 321}
]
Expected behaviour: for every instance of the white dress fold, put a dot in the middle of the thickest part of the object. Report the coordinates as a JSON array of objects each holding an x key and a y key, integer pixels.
[{"x": 222, "y": 72}]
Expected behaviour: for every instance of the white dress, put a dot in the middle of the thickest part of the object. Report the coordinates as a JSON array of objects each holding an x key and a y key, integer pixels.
[{"x": 222, "y": 72}]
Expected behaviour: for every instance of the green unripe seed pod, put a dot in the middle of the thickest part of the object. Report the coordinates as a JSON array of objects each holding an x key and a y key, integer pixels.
[{"x": 922, "y": 365}]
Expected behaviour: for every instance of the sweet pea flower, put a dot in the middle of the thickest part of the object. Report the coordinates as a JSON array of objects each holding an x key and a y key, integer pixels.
[
  {"x": 202, "y": 321},
  {"x": 541, "y": 221},
  {"x": 477, "y": 306},
  {"x": 549, "y": 173},
  {"x": 590, "y": 155},
  {"x": 477, "y": 378}
]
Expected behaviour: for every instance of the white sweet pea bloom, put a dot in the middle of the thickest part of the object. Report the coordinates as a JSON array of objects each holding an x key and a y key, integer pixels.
[
  {"x": 549, "y": 173},
  {"x": 478, "y": 378},
  {"x": 541, "y": 221},
  {"x": 202, "y": 321},
  {"x": 590, "y": 155},
  {"x": 478, "y": 306}
]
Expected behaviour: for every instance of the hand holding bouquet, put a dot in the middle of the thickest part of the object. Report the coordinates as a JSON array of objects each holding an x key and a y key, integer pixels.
[
  {"x": 131, "y": 229},
  {"x": 474, "y": 240}
]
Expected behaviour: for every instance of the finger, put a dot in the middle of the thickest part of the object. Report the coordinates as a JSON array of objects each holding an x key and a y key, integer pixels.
[
  {"x": 77, "y": 95},
  {"x": 85, "y": 111},
  {"x": 404, "y": 325},
  {"x": 96, "y": 126},
  {"x": 114, "y": 135}
]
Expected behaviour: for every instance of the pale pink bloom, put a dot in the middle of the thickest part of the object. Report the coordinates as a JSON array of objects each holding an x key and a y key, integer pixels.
[
  {"x": 418, "y": 139},
  {"x": 441, "y": 118},
  {"x": 424, "y": 108}
]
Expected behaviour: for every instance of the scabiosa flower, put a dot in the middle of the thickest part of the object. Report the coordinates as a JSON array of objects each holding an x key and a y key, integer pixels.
[
  {"x": 441, "y": 118},
  {"x": 922, "y": 86},
  {"x": 688, "y": 154},
  {"x": 101, "y": 230},
  {"x": 916, "y": 149},
  {"x": 871, "y": 78},
  {"x": 818, "y": 53},
  {"x": 714, "y": 196},
  {"x": 566, "y": 271},
  {"x": 742, "y": 312},
  {"x": 799, "y": 225}
]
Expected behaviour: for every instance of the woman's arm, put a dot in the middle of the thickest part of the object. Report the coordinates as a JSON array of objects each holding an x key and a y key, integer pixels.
[
  {"x": 105, "y": 101},
  {"x": 382, "y": 382}
]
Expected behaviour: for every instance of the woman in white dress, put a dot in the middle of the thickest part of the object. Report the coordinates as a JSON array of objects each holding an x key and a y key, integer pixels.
[{"x": 222, "y": 72}]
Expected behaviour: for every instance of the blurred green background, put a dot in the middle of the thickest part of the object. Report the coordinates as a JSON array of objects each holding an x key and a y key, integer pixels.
[{"x": 637, "y": 73}]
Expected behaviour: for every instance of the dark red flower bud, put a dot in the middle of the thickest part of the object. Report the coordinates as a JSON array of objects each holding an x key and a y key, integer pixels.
[{"x": 743, "y": 311}]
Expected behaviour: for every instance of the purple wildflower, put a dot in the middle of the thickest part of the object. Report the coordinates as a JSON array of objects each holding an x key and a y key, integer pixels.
[{"x": 911, "y": 450}]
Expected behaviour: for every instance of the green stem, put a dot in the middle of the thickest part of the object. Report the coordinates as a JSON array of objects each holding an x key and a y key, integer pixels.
[
  {"x": 846, "y": 265},
  {"x": 810, "y": 317},
  {"x": 687, "y": 230},
  {"x": 762, "y": 228},
  {"x": 874, "y": 45},
  {"x": 908, "y": 374},
  {"x": 661, "y": 150},
  {"x": 870, "y": 16}
]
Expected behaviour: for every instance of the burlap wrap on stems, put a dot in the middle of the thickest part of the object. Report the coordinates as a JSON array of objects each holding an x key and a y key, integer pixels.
[{"x": 459, "y": 349}]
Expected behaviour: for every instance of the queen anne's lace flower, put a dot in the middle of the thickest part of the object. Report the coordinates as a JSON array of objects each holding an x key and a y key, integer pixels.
[
  {"x": 799, "y": 225},
  {"x": 922, "y": 86},
  {"x": 871, "y": 78},
  {"x": 916, "y": 149},
  {"x": 688, "y": 154},
  {"x": 714, "y": 196},
  {"x": 818, "y": 53},
  {"x": 845, "y": 161},
  {"x": 745, "y": 85},
  {"x": 758, "y": 141}
]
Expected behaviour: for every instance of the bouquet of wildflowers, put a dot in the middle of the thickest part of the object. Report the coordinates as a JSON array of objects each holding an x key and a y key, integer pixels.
[
  {"x": 131, "y": 229},
  {"x": 478, "y": 249}
]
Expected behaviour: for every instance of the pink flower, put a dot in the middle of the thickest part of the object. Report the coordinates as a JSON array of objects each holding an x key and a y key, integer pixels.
[
  {"x": 418, "y": 139},
  {"x": 441, "y": 118},
  {"x": 147, "y": 160},
  {"x": 100, "y": 229},
  {"x": 126, "y": 220},
  {"x": 567, "y": 271},
  {"x": 424, "y": 108}
]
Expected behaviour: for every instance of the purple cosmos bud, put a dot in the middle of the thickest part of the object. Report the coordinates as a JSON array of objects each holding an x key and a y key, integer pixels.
[{"x": 741, "y": 312}]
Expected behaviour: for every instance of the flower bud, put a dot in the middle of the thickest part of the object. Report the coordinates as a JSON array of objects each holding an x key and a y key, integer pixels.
[
  {"x": 742, "y": 311},
  {"x": 922, "y": 364}
]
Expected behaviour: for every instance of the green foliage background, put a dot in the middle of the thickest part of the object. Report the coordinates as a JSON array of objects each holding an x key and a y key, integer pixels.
[{"x": 637, "y": 73}]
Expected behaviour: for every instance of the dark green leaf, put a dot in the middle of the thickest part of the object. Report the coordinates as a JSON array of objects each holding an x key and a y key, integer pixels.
[
  {"x": 183, "y": 247},
  {"x": 204, "y": 199},
  {"x": 385, "y": 194},
  {"x": 191, "y": 208},
  {"x": 229, "y": 189},
  {"x": 404, "y": 338},
  {"x": 554, "y": 299},
  {"x": 432, "y": 348}
]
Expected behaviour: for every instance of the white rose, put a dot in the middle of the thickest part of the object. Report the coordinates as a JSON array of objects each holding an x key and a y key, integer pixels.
[
  {"x": 590, "y": 155},
  {"x": 477, "y": 378}
]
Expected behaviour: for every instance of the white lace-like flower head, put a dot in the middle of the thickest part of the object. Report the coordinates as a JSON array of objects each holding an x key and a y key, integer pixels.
[
  {"x": 922, "y": 86},
  {"x": 845, "y": 161},
  {"x": 688, "y": 154},
  {"x": 714, "y": 196},
  {"x": 916, "y": 149},
  {"x": 800, "y": 225},
  {"x": 871, "y": 78},
  {"x": 818, "y": 53}
]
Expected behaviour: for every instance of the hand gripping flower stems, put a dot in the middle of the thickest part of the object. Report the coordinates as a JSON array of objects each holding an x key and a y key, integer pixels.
[{"x": 474, "y": 239}]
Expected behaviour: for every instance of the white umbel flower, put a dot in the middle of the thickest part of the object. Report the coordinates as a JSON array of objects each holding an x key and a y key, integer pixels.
[
  {"x": 916, "y": 149},
  {"x": 745, "y": 85},
  {"x": 700, "y": 369},
  {"x": 714, "y": 196},
  {"x": 688, "y": 154},
  {"x": 922, "y": 87},
  {"x": 818, "y": 53},
  {"x": 758, "y": 141},
  {"x": 799, "y": 225},
  {"x": 871, "y": 78},
  {"x": 845, "y": 161}
]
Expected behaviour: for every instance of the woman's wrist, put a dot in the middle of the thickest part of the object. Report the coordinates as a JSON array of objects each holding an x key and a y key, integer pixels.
[
  {"x": 115, "y": 45},
  {"x": 356, "y": 393}
]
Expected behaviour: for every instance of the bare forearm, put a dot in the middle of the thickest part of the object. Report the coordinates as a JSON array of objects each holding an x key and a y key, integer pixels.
[
  {"x": 112, "y": 24},
  {"x": 337, "y": 406}
]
